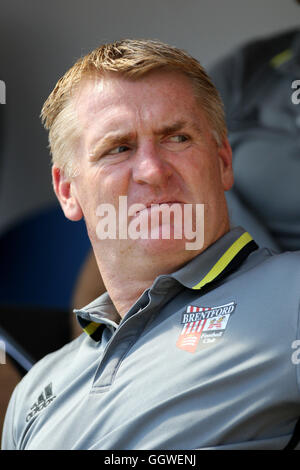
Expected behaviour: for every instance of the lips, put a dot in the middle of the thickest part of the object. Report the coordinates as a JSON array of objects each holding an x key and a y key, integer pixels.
[
  {"x": 159, "y": 202},
  {"x": 149, "y": 205}
]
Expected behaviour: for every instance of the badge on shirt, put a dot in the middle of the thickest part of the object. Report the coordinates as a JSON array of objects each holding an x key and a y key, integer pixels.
[{"x": 203, "y": 324}]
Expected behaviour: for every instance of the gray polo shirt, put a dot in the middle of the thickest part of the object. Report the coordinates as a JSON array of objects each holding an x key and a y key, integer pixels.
[{"x": 205, "y": 359}]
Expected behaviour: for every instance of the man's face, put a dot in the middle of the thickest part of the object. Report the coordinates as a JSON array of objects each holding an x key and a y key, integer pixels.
[{"x": 148, "y": 140}]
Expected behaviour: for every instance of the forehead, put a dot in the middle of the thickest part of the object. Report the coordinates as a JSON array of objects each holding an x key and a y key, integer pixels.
[{"x": 158, "y": 95}]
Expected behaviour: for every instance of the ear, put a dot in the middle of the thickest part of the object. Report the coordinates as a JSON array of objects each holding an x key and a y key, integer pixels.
[
  {"x": 225, "y": 161},
  {"x": 63, "y": 188}
]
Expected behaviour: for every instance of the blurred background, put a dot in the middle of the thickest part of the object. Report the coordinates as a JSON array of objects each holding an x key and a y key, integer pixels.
[
  {"x": 41, "y": 253},
  {"x": 40, "y": 39}
]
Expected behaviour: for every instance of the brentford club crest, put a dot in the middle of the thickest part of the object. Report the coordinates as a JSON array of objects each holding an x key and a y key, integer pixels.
[{"x": 204, "y": 324}]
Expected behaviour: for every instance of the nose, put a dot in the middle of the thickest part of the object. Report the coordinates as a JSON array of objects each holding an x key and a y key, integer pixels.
[{"x": 150, "y": 167}]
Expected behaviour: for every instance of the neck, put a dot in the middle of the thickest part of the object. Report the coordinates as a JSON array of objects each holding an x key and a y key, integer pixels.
[
  {"x": 125, "y": 292},
  {"x": 128, "y": 272},
  {"x": 125, "y": 284}
]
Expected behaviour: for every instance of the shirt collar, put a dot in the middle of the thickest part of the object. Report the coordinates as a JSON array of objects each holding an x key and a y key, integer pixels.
[
  {"x": 100, "y": 312},
  {"x": 218, "y": 260},
  {"x": 211, "y": 266}
]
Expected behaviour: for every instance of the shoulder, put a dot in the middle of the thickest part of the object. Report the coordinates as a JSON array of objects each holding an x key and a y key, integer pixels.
[
  {"x": 274, "y": 270},
  {"x": 267, "y": 258},
  {"x": 26, "y": 398},
  {"x": 52, "y": 366},
  {"x": 54, "y": 361},
  {"x": 282, "y": 261}
]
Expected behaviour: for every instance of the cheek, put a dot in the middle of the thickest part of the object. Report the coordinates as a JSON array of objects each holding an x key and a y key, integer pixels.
[
  {"x": 203, "y": 180},
  {"x": 103, "y": 185},
  {"x": 200, "y": 172}
]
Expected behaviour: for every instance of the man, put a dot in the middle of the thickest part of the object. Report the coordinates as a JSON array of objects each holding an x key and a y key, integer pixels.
[{"x": 193, "y": 345}]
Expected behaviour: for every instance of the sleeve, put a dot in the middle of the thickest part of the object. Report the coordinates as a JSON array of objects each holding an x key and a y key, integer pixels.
[{"x": 8, "y": 436}]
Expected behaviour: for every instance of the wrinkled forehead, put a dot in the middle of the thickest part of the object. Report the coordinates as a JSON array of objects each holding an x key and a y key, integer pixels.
[{"x": 97, "y": 92}]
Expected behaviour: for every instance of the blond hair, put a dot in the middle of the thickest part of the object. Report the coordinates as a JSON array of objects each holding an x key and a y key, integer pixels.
[{"x": 132, "y": 59}]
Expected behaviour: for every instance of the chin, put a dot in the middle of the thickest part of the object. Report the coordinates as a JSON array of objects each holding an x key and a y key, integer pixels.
[{"x": 162, "y": 246}]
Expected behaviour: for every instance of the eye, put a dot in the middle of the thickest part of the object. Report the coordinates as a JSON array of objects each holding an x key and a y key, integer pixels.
[
  {"x": 119, "y": 149},
  {"x": 176, "y": 143},
  {"x": 178, "y": 138}
]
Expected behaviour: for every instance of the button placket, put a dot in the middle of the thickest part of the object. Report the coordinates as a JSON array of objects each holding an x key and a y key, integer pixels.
[
  {"x": 119, "y": 345},
  {"x": 129, "y": 330}
]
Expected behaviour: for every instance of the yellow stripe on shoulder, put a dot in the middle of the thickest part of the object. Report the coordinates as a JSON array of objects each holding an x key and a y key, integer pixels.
[{"x": 227, "y": 257}]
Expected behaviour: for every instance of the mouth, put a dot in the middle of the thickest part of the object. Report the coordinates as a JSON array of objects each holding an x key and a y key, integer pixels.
[
  {"x": 163, "y": 202},
  {"x": 153, "y": 205}
]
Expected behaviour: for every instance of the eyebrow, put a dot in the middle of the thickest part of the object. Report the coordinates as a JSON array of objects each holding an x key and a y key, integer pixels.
[
  {"x": 177, "y": 126},
  {"x": 111, "y": 139},
  {"x": 117, "y": 138}
]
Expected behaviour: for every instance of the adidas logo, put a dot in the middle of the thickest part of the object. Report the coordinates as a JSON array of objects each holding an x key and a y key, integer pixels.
[{"x": 44, "y": 399}]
